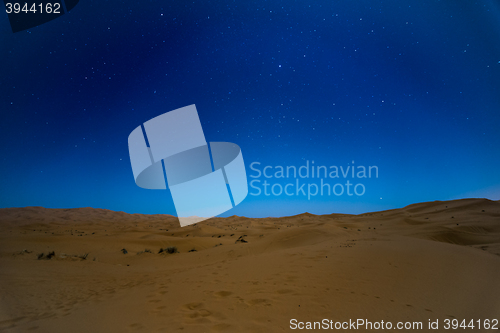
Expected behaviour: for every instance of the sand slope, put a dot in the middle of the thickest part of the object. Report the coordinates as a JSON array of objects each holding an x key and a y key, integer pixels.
[{"x": 433, "y": 260}]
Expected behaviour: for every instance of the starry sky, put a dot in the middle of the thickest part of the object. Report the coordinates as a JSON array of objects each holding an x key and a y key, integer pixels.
[{"x": 409, "y": 86}]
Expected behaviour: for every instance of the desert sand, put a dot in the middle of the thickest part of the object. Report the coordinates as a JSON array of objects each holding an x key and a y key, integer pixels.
[{"x": 66, "y": 270}]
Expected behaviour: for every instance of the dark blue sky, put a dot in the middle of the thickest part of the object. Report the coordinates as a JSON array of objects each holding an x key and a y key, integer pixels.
[{"x": 409, "y": 86}]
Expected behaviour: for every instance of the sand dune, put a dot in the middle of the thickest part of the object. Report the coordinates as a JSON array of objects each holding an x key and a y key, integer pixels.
[{"x": 94, "y": 270}]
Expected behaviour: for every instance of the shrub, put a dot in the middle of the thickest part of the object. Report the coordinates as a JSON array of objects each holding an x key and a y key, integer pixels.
[
  {"x": 172, "y": 249},
  {"x": 49, "y": 256}
]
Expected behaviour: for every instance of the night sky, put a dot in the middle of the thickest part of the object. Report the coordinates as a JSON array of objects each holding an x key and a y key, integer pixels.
[{"x": 409, "y": 86}]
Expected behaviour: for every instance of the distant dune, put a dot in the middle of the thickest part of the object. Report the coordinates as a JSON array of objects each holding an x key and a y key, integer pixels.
[{"x": 96, "y": 270}]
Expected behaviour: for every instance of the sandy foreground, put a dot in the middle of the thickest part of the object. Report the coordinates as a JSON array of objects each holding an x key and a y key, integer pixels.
[{"x": 428, "y": 261}]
